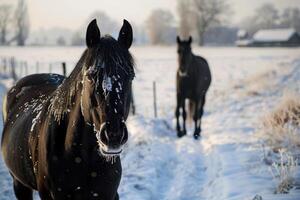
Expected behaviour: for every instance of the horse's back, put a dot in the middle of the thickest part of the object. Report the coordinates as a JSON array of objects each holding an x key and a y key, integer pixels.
[
  {"x": 30, "y": 87},
  {"x": 28, "y": 93}
]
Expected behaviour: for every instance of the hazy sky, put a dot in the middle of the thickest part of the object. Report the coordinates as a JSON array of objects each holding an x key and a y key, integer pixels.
[{"x": 73, "y": 13}]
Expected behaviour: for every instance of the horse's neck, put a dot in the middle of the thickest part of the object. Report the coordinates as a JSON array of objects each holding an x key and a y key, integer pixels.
[
  {"x": 62, "y": 98},
  {"x": 187, "y": 60},
  {"x": 75, "y": 123}
]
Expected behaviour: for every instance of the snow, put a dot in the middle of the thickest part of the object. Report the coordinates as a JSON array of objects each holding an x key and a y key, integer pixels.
[
  {"x": 243, "y": 42},
  {"x": 273, "y": 35},
  {"x": 227, "y": 162}
]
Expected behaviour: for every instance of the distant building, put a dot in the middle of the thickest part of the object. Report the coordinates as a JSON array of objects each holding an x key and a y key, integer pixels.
[
  {"x": 272, "y": 37},
  {"x": 243, "y": 39},
  {"x": 276, "y": 37}
]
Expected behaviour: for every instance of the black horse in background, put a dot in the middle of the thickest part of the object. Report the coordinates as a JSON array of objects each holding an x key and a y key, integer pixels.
[
  {"x": 63, "y": 136},
  {"x": 193, "y": 79}
]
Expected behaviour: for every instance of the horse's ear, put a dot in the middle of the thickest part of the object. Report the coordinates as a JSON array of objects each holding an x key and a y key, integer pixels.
[
  {"x": 190, "y": 39},
  {"x": 92, "y": 34},
  {"x": 178, "y": 39},
  {"x": 125, "y": 35}
]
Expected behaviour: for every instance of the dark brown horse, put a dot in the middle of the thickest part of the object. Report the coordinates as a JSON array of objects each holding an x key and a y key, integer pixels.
[
  {"x": 192, "y": 80},
  {"x": 63, "y": 136}
]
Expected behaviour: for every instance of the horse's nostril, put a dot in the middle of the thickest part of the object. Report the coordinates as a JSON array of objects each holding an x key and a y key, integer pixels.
[{"x": 111, "y": 136}]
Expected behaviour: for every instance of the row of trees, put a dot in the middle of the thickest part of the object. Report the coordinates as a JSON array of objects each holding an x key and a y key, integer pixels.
[
  {"x": 16, "y": 20},
  {"x": 195, "y": 18},
  {"x": 267, "y": 16},
  {"x": 205, "y": 19}
]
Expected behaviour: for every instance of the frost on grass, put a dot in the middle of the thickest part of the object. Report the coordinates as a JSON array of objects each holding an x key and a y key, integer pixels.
[
  {"x": 281, "y": 134},
  {"x": 281, "y": 127},
  {"x": 284, "y": 172}
]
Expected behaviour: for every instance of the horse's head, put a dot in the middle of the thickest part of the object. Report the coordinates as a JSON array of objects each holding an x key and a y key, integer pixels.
[
  {"x": 184, "y": 51},
  {"x": 107, "y": 75}
]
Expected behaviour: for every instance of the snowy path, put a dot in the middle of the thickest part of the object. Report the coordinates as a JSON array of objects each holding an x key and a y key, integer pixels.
[{"x": 157, "y": 165}]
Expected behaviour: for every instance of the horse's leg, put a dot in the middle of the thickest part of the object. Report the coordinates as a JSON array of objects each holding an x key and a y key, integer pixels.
[
  {"x": 195, "y": 118},
  {"x": 21, "y": 191},
  {"x": 200, "y": 113},
  {"x": 184, "y": 118}
]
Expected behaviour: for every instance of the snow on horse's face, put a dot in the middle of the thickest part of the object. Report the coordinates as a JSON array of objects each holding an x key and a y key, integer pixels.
[{"x": 106, "y": 92}]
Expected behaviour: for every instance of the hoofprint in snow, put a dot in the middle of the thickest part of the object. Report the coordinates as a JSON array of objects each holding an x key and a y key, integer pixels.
[{"x": 227, "y": 162}]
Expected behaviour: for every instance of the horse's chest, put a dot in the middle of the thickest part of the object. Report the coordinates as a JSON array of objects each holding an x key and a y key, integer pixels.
[
  {"x": 186, "y": 87},
  {"x": 86, "y": 179}
]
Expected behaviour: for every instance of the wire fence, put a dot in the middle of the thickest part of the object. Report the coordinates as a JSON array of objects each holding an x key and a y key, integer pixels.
[{"x": 12, "y": 67}]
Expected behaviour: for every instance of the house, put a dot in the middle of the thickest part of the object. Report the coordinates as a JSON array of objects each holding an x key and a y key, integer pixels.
[
  {"x": 272, "y": 37},
  {"x": 276, "y": 37}
]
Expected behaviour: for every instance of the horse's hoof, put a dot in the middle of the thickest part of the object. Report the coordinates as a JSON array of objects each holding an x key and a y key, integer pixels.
[
  {"x": 181, "y": 134},
  {"x": 196, "y": 136},
  {"x": 197, "y": 133}
]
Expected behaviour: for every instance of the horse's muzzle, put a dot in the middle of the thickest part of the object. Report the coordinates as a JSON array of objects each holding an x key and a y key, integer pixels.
[{"x": 111, "y": 139}]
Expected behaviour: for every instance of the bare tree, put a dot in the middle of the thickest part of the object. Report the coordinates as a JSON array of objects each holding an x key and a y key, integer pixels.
[
  {"x": 22, "y": 22},
  {"x": 159, "y": 24},
  {"x": 185, "y": 18},
  {"x": 266, "y": 16},
  {"x": 208, "y": 13},
  {"x": 5, "y": 14},
  {"x": 291, "y": 18}
]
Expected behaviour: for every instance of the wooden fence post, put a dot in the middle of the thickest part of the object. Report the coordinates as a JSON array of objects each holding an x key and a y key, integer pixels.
[
  {"x": 13, "y": 65},
  {"x": 154, "y": 99},
  {"x": 64, "y": 69},
  {"x": 132, "y": 102}
]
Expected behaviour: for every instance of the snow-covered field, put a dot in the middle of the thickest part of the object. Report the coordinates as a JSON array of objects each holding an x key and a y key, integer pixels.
[{"x": 227, "y": 162}]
